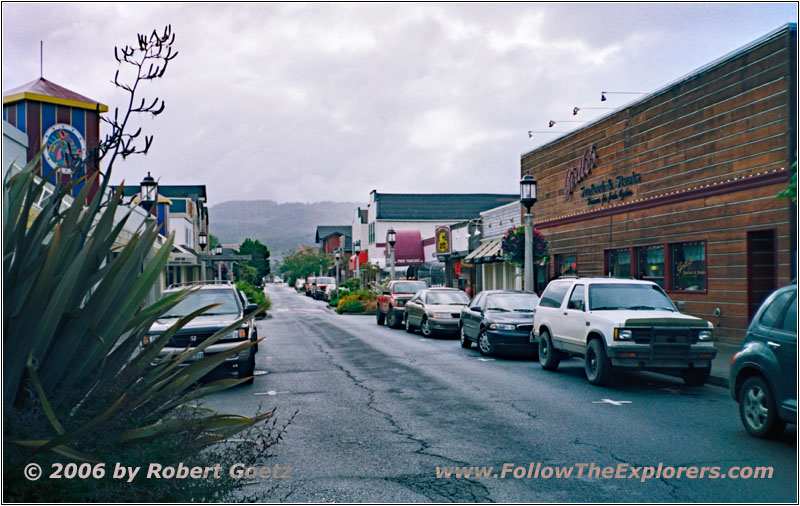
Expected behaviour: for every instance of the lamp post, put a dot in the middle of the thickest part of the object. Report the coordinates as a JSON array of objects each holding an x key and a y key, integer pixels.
[
  {"x": 202, "y": 240},
  {"x": 218, "y": 251},
  {"x": 148, "y": 197},
  {"x": 320, "y": 267},
  {"x": 337, "y": 256},
  {"x": 391, "y": 238},
  {"x": 357, "y": 251},
  {"x": 527, "y": 197}
]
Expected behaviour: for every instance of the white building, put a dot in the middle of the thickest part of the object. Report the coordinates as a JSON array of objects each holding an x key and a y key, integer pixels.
[
  {"x": 496, "y": 273},
  {"x": 421, "y": 212}
]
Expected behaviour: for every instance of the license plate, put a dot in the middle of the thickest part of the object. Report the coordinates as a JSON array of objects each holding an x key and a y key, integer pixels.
[{"x": 197, "y": 356}]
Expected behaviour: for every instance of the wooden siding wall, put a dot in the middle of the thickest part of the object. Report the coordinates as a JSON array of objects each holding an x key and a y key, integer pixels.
[
  {"x": 497, "y": 221},
  {"x": 723, "y": 125}
]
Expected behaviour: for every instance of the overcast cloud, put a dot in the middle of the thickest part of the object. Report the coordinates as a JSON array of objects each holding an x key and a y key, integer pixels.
[{"x": 310, "y": 102}]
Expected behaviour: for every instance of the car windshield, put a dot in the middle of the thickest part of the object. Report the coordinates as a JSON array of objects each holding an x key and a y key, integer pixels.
[
  {"x": 225, "y": 298},
  {"x": 519, "y": 302},
  {"x": 447, "y": 298},
  {"x": 645, "y": 297},
  {"x": 324, "y": 281},
  {"x": 409, "y": 287}
]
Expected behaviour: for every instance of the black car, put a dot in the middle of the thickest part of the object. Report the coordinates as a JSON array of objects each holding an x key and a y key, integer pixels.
[
  {"x": 764, "y": 372},
  {"x": 499, "y": 318},
  {"x": 230, "y": 307}
]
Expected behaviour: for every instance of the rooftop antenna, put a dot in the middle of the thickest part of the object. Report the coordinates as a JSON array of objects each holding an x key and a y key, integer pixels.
[{"x": 41, "y": 59}]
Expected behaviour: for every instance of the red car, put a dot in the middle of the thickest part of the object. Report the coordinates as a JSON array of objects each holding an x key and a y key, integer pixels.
[{"x": 391, "y": 303}]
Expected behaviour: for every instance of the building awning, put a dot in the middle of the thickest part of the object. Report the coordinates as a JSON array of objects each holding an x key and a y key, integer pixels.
[
  {"x": 363, "y": 258},
  {"x": 408, "y": 249},
  {"x": 399, "y": 272},
  {"x": 490, "y": 251}
]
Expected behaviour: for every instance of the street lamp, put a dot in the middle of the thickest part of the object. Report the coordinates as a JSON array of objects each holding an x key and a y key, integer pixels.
[
  {"x": 320, "y": 267},
  {"x": 338, "y": 256},
  {"x": 218, "y": 251},
  {"x": 527, "y": 197},
  {"x": 148, "y": 192},
  {"x": 202, "y": 240},
  {"x": 391, "y": 238},
  {"x": 357, "y": 250}
]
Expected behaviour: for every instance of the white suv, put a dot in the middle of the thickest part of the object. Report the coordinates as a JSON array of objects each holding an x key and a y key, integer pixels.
[{"x": 620, "y": 323}]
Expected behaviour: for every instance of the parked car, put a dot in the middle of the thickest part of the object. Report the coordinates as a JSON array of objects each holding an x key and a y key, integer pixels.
[
  {"x": 435, "y": 310},
  {"x": 763, "y": 376},
  {"x": 310, "y": 282},
  {"x": 320, "y": 283},
  {"x": 623, "y": 323},
  {"x": 390, "y": 304},
  {"x": 329, "y": 289},
  {"x": 300, "y": 284},
  {"x": 498, "y": 318},
  {"x": 230, "y": 308},
  {"x": 246, "y": 302}
]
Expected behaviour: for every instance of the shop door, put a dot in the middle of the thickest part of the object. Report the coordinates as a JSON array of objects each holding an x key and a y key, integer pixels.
[{"x": 761, "y": 268}]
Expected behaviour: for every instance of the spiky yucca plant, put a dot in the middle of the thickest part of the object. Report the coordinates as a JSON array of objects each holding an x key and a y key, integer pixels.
[{"x": 75, "y": 380}]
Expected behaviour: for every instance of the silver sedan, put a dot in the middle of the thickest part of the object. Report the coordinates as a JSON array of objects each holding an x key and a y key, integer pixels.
[{"x": 435, "y": 310}]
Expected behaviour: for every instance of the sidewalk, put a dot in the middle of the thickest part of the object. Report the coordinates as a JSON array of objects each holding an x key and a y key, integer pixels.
[{"x": 721, "y": 366}]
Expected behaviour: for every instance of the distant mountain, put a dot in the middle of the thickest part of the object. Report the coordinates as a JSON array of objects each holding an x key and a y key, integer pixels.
[{"x": 282, "y": 227}]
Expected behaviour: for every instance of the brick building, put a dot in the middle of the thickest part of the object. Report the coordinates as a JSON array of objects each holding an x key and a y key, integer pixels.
[{"x": 679, "y": 187}]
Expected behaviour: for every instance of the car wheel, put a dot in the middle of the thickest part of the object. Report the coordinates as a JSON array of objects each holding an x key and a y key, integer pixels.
[
  {"x": 485, "y": 345},
  {"x": 248, "y": 370},
  {"x": 425, "y": 327},
  {"x": 379, "y": 317},
  {"x": 696, "y": 377},
  {"x": 391, "y": 318},
  {"x": 757, "y": 409},
  {"x": 465, "y": 342},
  {"x": 409, "y": 327},
  {"x": 549, "y": 357},
  {"x": 597, "y": 365}
]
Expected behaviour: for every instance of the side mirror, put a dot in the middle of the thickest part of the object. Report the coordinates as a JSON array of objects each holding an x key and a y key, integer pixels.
[
  {"x": 386, "y": 292},
  {"x": 477, "y": 309},
  {"x": 681, "y": 305},
  {"x": 250, "y": 309}
]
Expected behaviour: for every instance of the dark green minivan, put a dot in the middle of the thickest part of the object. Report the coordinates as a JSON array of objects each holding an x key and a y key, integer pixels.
[{"x": 764, "y": 372}]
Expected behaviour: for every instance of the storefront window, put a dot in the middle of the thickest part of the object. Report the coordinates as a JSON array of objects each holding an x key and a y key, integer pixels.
[
  {"x": 567, "y": 264},
  {"x": 619, "y": 263},
  {"x": 688, "y": 265},
  {"x": 650, "y": 260}
]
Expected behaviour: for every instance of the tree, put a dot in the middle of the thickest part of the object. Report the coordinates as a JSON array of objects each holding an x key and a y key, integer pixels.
[
  {"x": 259, "y": 258},
  {"x": 305, "y": 263}
]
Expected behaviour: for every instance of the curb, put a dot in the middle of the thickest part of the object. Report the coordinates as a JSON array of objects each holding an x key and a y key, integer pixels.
[
  {"x": 718, "y": 381},
  {"x": 712, "y": 380}
]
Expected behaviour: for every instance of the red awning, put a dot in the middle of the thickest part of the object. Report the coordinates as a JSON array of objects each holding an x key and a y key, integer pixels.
[
  {"x": 408, "y": 249},
  {"x": 362, "y": 259}
]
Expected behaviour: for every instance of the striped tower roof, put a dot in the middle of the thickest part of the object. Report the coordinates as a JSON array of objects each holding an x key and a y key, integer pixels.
[{"x": 42, "y": 90}]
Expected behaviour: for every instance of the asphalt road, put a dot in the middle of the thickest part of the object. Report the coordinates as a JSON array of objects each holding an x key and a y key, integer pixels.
[{"x": 380, "y": 409}]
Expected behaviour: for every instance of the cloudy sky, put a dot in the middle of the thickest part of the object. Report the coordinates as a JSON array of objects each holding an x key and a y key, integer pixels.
[{"x": 309, "y": 102}]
